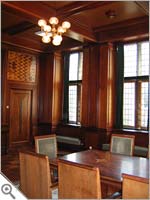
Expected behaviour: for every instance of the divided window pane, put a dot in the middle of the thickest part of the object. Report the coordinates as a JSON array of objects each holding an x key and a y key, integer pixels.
[
  {"x": 136, "y": 92},
  {"x": 75, "y": 82}
]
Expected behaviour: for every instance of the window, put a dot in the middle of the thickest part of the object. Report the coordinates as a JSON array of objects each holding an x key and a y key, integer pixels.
[
  {"x": 72, "y": 93},
  {"x": 136, "y": 86}
]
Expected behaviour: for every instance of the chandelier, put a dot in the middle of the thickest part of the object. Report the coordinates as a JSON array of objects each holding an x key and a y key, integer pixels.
[{"x": 53, "y": 31}]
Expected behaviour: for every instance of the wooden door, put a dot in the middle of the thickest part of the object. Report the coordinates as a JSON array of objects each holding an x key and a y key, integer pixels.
[{"x": 20, "y": 115}]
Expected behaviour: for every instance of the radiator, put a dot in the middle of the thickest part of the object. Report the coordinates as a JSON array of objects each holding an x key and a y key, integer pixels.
[{"x": 68, "y": 140}]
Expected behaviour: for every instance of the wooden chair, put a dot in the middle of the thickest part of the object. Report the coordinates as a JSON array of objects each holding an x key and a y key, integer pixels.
[
  {"x": 135, "y": 187},
  {"x": 122, "y": 144},
  {"x": 47, "y": 145},
  {"x": 78, "y": 182},
  {"x": 35, "y": 179}
]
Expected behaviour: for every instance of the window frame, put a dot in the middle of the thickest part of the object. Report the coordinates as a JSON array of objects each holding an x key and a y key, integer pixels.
[
  {"x": 138, "y": 80},
  {"x": 77, "y": 83}
]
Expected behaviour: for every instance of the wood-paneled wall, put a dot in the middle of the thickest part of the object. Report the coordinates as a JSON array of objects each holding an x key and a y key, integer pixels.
[
  {"x": 17, "y": 89},
  {"x": 98, "y": 96},
  {"x": 90, "y": 86},
  {"x": 106, "y": 91},
  {"x": 45, "y": 88},
  {"x": 57, "y": 103}
]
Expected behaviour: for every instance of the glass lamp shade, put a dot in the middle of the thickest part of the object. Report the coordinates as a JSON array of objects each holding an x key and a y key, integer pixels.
[
  {"x": 53, "y": 20},
  {"x": 54, "y": 30},
  {"x": 57, "y": 40},
  {"x": 46, "y": 39},
  {"x": 42, "y": 22},
  {"x": 56, "y": 43},
  {"x": 66, "y": 25},
  {"x": 47, "y": 28},
  {"x": 60, "y": 29}
]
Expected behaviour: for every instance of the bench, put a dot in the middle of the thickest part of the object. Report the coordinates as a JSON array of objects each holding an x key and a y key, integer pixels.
[
  {"x": 68, "y": 142},
  {"x": 138, "y": 151}
]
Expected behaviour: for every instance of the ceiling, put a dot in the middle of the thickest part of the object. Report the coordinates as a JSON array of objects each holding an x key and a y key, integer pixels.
[{"x": 89, "y": 22}]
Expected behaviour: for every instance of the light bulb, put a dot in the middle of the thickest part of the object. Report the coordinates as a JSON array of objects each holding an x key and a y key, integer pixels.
[
  {"x": 56, "y": 43},
  {"x": 58, "y": 38},
  {"x": 46, "y": 39},
  {"x": 42, "y": 22},
  {"x": 53, "y": 20},
  {"x": 60, "y": 29},
  {"x": 47, "y": 28},
  {"x": 66, "y": 25}
]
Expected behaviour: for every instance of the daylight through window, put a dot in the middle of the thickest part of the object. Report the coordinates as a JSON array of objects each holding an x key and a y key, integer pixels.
[{"x": 136, "y": 91}]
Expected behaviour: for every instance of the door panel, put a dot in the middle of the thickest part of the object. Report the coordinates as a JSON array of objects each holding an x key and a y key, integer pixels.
[{"x": 20, "y": 115}]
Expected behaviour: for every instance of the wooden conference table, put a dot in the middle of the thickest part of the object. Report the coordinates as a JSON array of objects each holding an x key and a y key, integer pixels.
[{"x": 111, "y": 166}]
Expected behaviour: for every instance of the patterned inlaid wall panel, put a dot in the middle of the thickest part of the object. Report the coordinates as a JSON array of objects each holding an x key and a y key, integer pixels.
[{"x": 21, "y": 67}]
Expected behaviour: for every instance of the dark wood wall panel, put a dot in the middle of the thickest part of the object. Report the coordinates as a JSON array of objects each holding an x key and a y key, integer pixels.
[
  {"x": 106, "y": 88},
  {"x": 89, "y": 86},
  {"x": 22, "y": 85},
  {"x": 45, "y": 88},
  {"x": 4, "y": 138},
  {"x": 98, "y": 97},
  {"x": 92, "y": 86},
  {"x": 44, "y": 128},
  {"x": 85, "y": 94},
  {"x": 102, "y": 87},
  {"x": 4, "y": 87},
  {"x": 57, "y": 97}
]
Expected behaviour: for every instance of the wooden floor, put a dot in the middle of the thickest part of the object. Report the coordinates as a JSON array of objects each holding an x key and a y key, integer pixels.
[{"x": 10, "y": 162}]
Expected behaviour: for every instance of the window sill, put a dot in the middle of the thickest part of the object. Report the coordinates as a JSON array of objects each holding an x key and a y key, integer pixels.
[
  {"x": 135, "y": 131},
  {"x": 75, "y": 125}
]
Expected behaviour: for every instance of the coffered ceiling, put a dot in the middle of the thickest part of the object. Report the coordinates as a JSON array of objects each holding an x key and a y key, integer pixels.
[{"x": 89, "y": 21}]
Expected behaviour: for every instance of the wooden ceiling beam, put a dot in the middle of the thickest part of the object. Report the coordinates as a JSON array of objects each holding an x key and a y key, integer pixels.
[
  {"x": 119, "y": 25},
  {"x": 35, "y": 11},
  {"x": 144, "y": 5},
  {"x": 18, "y": 28},
  {"x": 24, "y": 43},
  {"x": 80, "y": 32},
  {"x": 129, "y": 30},
  {"x": 80, "y": 6}
]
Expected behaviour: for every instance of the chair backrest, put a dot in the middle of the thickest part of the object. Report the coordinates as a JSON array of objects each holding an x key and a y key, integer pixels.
[
  {"x": 135, "y": 187},
  {"x": 47, "y": 145},
  {"x": 122, "y": 144},
  {"x": 35, "y": 181},
  {"x": 78, "y": 182}
]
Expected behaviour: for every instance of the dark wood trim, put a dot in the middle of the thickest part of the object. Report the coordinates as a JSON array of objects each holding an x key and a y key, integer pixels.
[
  {"x": 44, "y": 128},
  {"x": 18, "y": 49},
  {"x": 46, "y": 64},
  {"x": 127, "y": 23},
  {"x": 37, "y": 10},
  {"x": 144, "y": 5},
  {"x": 79, "y": 6},
  {"x": 18, "y": 28},
  {"x": 129, "y": 30},
  {"x": 19, "y": 42},
  {"x": 57, "y": 97},
  {"x": 4, "y": 138}
]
